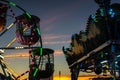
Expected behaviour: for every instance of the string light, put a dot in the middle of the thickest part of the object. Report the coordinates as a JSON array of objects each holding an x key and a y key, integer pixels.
[
  {"x": 102, "y": 12},
  {"x": 38, "y": 31},
  {"x": 41, "y": 51},
  {"x": 19, "y": 47},
  {"x": 29, "y": 16},
  {"x": 31, "y": 28},
  {"x": 13, "y": 4},
  {"x": 31, "y": 38},
  {"x": 111, "y": 13},
  {"x": 36, "y": 70},
  {"x": 10, "y": 25},
  {"x": 94, "y": 18}
]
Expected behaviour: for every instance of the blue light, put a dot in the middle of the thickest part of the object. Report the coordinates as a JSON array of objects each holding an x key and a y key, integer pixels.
[
  {"x": 94, "y": 18},
  {"x": 81, "y": 65},
  {"x": 111, "y": 13}
]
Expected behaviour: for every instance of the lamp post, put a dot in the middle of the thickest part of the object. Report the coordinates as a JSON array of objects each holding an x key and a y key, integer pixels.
[{"x": 59, "y": 75}]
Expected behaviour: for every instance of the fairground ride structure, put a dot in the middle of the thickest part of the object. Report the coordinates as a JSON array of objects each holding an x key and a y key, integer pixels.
[
  {"x": 98, "y": 48},
  {"x": 41, "y": 60}
]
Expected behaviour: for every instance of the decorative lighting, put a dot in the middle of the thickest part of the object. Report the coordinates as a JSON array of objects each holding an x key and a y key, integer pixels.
[
  {"x": 102, "y": 12},
  {"x": 29, "y": 16},
  {"x": 105, "y": 61},
  {"x": 48, "y": 63},
  {"x": 41, "y": 51},
  {"x": 111, "y": 13},
  {"x": 31, "y": 34},
  {"x": 19, "y": 47},
  {"x": 13, "y": 4},
  {"x": 94, "y": 18},
  {"x": 36, "y": 70},
  {"x": 38, "y": 31}
]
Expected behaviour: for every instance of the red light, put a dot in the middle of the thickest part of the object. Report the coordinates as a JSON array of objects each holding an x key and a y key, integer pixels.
[{"x": 29, "y": 36}]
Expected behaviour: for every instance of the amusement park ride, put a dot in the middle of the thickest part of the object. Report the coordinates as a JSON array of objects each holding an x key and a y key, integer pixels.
[
  {"x": 41, "y": 60},
  {"x": 98, "y": 47}
]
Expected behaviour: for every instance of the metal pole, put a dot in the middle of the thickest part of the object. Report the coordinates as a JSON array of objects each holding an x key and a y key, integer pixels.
[
  {"x": 74, "y": 73},
  {"x": 113, "y": 63},
  {"x": 59, "y": 75}
]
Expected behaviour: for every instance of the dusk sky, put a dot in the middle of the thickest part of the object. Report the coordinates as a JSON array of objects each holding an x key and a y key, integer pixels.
[{"x": 59, "y": 19}]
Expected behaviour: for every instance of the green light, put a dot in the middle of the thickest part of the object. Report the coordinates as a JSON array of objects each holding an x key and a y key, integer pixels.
[
  {"x": 41, "y": 50},
  {"x": 114, "y": 78},
  {"x": 36, "y": 70},
  {"x": 38, "y": 31},
  {"x": 28, "y": 14},
  {"x": 102, "y": 54},
  {"x": 11, "y": 3},
  {"x": 77, "y": 66},
  {"x": 102, "y": 12}
]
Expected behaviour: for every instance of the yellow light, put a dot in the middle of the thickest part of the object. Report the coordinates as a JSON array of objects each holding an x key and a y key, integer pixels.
[
  {"x": 10, "y": 25},
  {"x": 86, "y": 77},
  {"x": 61, "y": 78}
]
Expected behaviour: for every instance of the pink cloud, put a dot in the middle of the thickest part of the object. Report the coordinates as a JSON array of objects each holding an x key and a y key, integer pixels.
[
  {"x": 54, "y": 36},
  {"x": 47, "y": 28},
  {"x": 53, "y": 18},
  {"x": 47, "y": 23},
  {"x": 56, "y": 42},
  {"x": 25, "y": 54},
  {"x": 55, "y": 39},
  {"x": 50, "y": 20},
  {"x": 58, "y": 52},
  {"x": 57, "y": 15}
]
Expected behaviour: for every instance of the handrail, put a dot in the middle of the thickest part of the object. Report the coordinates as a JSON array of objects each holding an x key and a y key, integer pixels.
[{"x": 107, "y": 43}]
